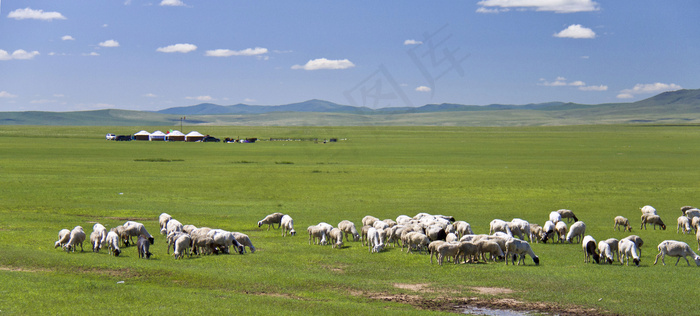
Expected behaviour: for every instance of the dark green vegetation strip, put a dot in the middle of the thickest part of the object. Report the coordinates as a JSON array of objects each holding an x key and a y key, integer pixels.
[{"x": 60, "y": 177}]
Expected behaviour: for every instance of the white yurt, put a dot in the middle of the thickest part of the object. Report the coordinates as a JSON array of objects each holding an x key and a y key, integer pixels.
[
  {"x": 157, "y": 136},
  {"x": 193, "y": 136},
  {"x": 175, "y": 136},
  {"x": 142, "y": 135}
]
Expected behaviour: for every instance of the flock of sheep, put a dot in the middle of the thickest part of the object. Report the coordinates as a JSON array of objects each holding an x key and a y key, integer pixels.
[{"x": 440, "y": 236}]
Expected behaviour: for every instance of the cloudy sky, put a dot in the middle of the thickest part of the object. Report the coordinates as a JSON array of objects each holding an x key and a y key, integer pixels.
[{"x": 73, "y": 55}]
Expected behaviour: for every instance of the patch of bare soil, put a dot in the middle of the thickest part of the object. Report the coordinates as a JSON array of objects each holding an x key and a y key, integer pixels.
[{"x": 17, "y": 269}]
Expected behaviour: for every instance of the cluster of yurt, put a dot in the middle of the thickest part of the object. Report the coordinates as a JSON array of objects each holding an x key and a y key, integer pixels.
[{"x": 173, "y": 136}]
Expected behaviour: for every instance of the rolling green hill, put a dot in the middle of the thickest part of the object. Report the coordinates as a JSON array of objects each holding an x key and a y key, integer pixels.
[{"x": 674, "y": 107}]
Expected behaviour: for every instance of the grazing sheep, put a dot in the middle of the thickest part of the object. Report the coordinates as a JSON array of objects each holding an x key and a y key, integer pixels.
[
  {"x": 202, "y": 244},
  {"x": 683, "y": 225},
  {"x": 515, "y": 247},
  {"x": 568, "y": 214},
  {"x": 113, "y": 243},
  {"x": 536, "y": 233},
  {"x": 492, "y": 247},
  {"x": 403, "y": 219},
  {"x": 374, "y": 243},
  {"x": 612, "y": 243},
  {"x": 244, "y": 240},
  {"x": 394, "y": 235},
  {"x": 554, "y": 217},
  {"x": 692, "y": 213},
  {"x": 77, "y": 237},
  {"x": 95, "y": 241},
  {"x": 685, "y": 208},
  {"x": 447, "y": 250},
  {"x": 622, "y": 222},
  {"x": 120, "y": 231},
  {"x": 182, "y": 246},
  {"x": 287, "y": 224},
  {"x": 468, "y": 252},
  {"x": 135, "y": 229},
  {"x": 515, "y": 230},
  {"x": 548, "y": 230},
  {"x": 561, "y": 230},
  {"x": 589, "y": 249},
  {"x": 336, "y": 237},
  {"x": 317, "y": 232},
  {"x": 648, "y": 209},
  {"x": 223, "y": 240},
  {"x": 390, "y": 222},
  {"x": 523, "y": 226},
  {"x": 63, "y": 238},
  {"x": 652, "y": 219},
  {"x": 606, "y": 252},
  {"x": 628, "y": 249},
  {"x": 172, "y": 238},
  {"x": 101, "y": 235},
  {"x": 142, "y": 244},
  {"x": 498, "y": 225},
  {"x": 380, "y": 225},
  {"x": 577, "y": 229},
  {"x": 433, "y": 247},
  {"x": 369, "y": 220},
  {"x": 436, "y": 232},
  {"x": 695, "y": 222},
  {"x": 173, "y": 225},
  {"x": 270, "y": 220},
  {"x": 451, "y": 237},
  {"x": 637, "y": 241},
  {"x": 163, "y": 221},
  {"x": 363, "y": 237},
  {"x": 678, "y": 249},
  {"x": 188, "y": 228},
  {"x": 463, "y": 228},
  {"x": 417, "y": 240}
]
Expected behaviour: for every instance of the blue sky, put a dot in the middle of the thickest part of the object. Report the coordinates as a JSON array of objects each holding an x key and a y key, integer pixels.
[{"x": 74, "y": 55}]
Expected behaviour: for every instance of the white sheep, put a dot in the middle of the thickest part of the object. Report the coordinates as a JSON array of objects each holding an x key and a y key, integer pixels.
[
  {"x": 182, "y": 246},
  {"x": 224, "y": 240},
  {"x": 590, "y": 249},
  {"x": 336, "y": 237},
  {"x": 171, "y": 226},
  {"x": 524, "y": 227},
  {"x": 390, "y": 222},
  {"x": 374, "y": 242},
  {"x": 628, "y": 249},
  {"x": 63, "y": 238},
  {"x": 369, "y": 220},
  {"x": 637, "y": 241},
  {"x": 606, "y": 252},
  {"x": 613, "y": 243},
  {"x": 492, "y": 247},
  {"x": 697, "y": 237},
  {"x": 403, "y": 219},
  {"x": 447, "y": 250},
  {"x": 436, "y": 232},
  {"x": 163, "y": 221},
  {"x": 577, "y": 230},
  {"x": 112, "y": 241},
  {"x": 499, "y": 225},
  {"x": 561, "y": 229},
  {"x": 244, "y": 240},
  {"x": 380, "y": 225},
  {"x": 417, "y": 240},
  {"x": 648, "y": 209},
  {"x": 683, "y": 225},
  {"x": 463, "y": 228},
  {"x": 135, "y": 229},
  {"x": 317, "y": 232},
  {"x": 568, "y": 214},
  {"x": 652, "y": 219},
  {"x": 622, "y": 222},
  {"x": 468, "y": 252},
  {"x": 515, "y": 247},
  {"x": 691, "y": 213},
  {"x": 202, "y": 244},
  {"x": 77, "y": 237},
  {"x": 95, "y": 241},
  {"x": 451, "y": 237},
  {"x": 678, "y": 249},
  {"x": 536, "y": 233},
  {"x": 554, "y": 217},
  {"x": 188, "y": 228},
  {"x": 363, "y": 236},
  {"x": 270, "y": 220},
  {"x": 548, "y": 229},
  {"x": 686, "y": 208},
  {"x": 100, "y": 237},
  {"x": 287, "y": 224},
  {"x": 433, "y": 247},
  {"x": 142, "y": 244}
]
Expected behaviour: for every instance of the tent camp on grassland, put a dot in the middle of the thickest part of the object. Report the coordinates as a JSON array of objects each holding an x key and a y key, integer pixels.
[
  {"x": 142, "y": 135},
  {"x": 193, "y": 136},
  {"x": 175, "y": 136},
  {"x": 157, "y": 135}
]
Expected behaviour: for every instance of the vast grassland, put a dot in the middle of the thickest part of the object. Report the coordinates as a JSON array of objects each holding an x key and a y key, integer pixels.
[{"x": 59, "y": 177}]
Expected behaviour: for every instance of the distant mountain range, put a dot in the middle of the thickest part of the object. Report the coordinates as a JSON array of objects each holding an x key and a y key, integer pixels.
[{"x": 673, "y": 107}]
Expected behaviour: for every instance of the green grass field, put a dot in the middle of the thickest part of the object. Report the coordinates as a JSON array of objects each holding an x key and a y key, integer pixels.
[{"x": 60, "y": 177}]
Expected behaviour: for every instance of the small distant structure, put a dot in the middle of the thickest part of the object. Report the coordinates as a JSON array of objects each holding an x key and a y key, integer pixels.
[
  {"x": 193, "y": 136},
  {"x": 142, "y": 135},
  {"x": 157, "y": 136},
  {"x": 175, "y": 136}
]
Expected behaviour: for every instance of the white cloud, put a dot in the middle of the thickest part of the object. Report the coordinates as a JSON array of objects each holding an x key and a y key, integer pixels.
[
  {"x": 27, "y": 13},
  {"x": 150, "y": 95},
  {"x": 5, "y": 94},
  {"x": 423, "y": 89},
  {"x": 109, "y": 43},
  {"x": 576, "y": 31},
  {"x": 67, "y": 38},
  {"x": 18, "y": 54},
  {"x": 177, "y": 48},
  {"x": 323, "y": 63},
  {"x": 647, "y": 88},
  {"x": 560, "y": 81},
  {"x": 228, "y": 52},
  {"x": 200, "y": 98},
  {"x": 92, "y": 54},
  {"x": 42, "y": 101},
  {"x": 249, "y": 100},
  {"x": 578, "y": 83},
  {"x": 172, "y": 3},
  {"x": 594, "y": 88},
  {"x": 557, "y": 6},
  {"x": 412, "y": 42}
]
